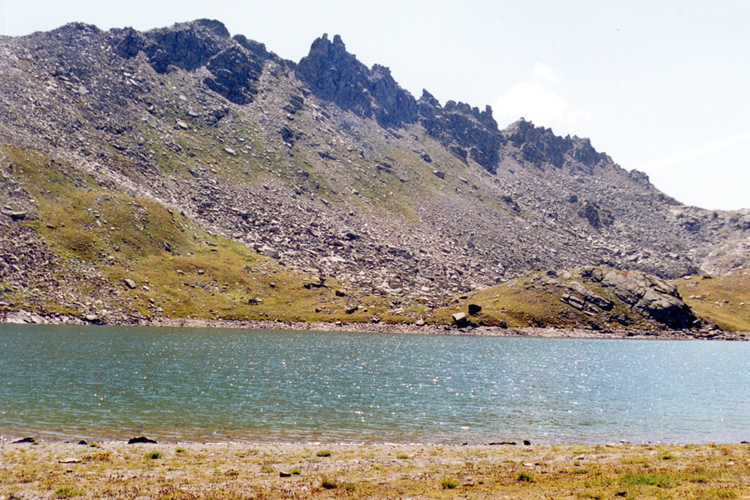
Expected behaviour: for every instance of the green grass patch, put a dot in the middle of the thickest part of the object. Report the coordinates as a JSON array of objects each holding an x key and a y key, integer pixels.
[
  {"x": 658, "y": 480},
  {"x": 722, "y": 493},
  {"x": 67, "y": 492}
]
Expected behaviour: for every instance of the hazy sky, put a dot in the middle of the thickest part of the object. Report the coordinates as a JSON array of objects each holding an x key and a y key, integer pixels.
[{"x": 661, "y": 86}]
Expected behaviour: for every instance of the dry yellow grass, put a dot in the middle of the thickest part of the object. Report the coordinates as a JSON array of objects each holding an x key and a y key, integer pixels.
[
  {"x": 277, "y": 471},
  {"x": 724, "y": 300}
]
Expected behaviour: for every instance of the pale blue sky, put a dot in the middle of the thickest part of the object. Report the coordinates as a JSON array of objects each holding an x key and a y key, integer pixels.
[{"x": 659, "y": 86}]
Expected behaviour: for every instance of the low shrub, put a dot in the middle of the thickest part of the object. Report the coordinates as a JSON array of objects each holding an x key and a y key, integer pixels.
[
  {"x": 448, "y": 484},
  {"x": 526, "y": 477}
]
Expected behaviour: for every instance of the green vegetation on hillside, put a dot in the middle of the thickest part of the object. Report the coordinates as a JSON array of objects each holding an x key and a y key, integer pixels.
[
  {"x": 724, "y": 300},
  {"x": 129, "y": 255},
  {"x": 516, "y": 303},
  {"x": 155, "y": 262}
]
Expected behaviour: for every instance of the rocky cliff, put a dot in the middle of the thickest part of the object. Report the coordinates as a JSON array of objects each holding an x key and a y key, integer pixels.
[{"x": 324, "y": 166}]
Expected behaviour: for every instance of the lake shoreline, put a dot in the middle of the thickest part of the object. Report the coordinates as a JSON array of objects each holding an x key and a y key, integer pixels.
[
  {"x": 314, "y": 470},
  {"x": 25, "y": 317}
]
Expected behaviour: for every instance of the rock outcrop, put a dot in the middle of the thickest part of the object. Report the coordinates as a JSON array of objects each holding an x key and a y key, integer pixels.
[
  {"x": 335, "y": 75},
  {"x": 540, "y": 145},
  {"x": 464, "y": 130},
  {"x": 234, "y": 64},
  {"x": 622, "y": 298}
]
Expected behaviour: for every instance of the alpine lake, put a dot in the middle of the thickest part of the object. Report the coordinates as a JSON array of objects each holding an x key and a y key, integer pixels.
[{"x": 204, "y": 385}]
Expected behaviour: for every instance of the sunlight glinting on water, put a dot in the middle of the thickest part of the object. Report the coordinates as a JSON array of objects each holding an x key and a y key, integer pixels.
[{"x": 189, "y": 384}]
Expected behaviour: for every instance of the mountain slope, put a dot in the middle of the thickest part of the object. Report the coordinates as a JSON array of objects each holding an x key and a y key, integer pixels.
[{"x": 323, "y": 166}]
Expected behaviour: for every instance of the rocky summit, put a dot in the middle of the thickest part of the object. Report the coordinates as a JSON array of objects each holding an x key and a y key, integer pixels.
[{"x": 184, "y": 172}]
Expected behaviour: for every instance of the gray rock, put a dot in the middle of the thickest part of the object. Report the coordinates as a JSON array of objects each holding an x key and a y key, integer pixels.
[
  {"x": 461, "y": 128},
  {"x": 460, "y": 319},
  {"x": 14, "y": 214},
  {"x": 651, "y": 297},
  {"x": 269, "y": 252},
  {"x": 318, "y": 282},
  {"x": 587, "y": 295}
]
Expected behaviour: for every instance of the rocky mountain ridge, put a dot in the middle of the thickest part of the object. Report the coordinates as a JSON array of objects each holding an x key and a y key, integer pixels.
[{"x": 325, "y": 166}]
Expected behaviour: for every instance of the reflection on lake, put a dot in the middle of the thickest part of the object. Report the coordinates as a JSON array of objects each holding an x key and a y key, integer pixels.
[{"x": 192, "y": 384}]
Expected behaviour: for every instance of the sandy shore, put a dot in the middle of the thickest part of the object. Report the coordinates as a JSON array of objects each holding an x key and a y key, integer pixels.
[
  {"x": 310, "y": 470},
  {"x": 24, "y": 317}
]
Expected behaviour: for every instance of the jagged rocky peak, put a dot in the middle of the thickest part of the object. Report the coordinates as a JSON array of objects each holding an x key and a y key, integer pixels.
[
  {"x": 540, "y": 145},
  {"x": 336, "y": 75},
  {"x": 187, "y": 46},
  {"x": 464, "y": 130},
  {"x": 235, "y": 63}
]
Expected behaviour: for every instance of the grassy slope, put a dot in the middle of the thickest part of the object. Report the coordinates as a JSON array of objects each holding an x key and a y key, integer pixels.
[
  {"x": 180, "y": 271},
  {"x": 515, "y": 303},
  {"x": 725, "y": 300},
  {"x": 527, "y": 301}
]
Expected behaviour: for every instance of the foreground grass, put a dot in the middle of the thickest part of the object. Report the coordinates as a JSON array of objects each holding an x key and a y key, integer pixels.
[{"x": 271, "y": 471}]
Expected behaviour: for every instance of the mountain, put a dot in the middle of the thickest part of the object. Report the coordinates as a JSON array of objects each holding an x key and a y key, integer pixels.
[{"x": 183, "y": 172}]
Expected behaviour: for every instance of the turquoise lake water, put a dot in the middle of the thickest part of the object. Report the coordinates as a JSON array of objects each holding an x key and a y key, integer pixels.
[{"x": 60, "y": 382}]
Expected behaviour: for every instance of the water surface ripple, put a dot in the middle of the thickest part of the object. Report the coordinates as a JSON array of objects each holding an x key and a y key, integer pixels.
[{"x": 191, "y": 384}]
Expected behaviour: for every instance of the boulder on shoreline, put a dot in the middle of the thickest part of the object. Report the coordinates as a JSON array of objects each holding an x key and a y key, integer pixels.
[{"x": 141, "y": 439}]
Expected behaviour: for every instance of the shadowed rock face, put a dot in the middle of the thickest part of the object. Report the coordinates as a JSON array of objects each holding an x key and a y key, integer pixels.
[
  {"x": 466, "y": 131},
  {"x": 186, "y": 46},
  {"x": 235, "y": 64},
  {"x": 539, "y": 145},
  {"x": 335, "y": 75}
]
